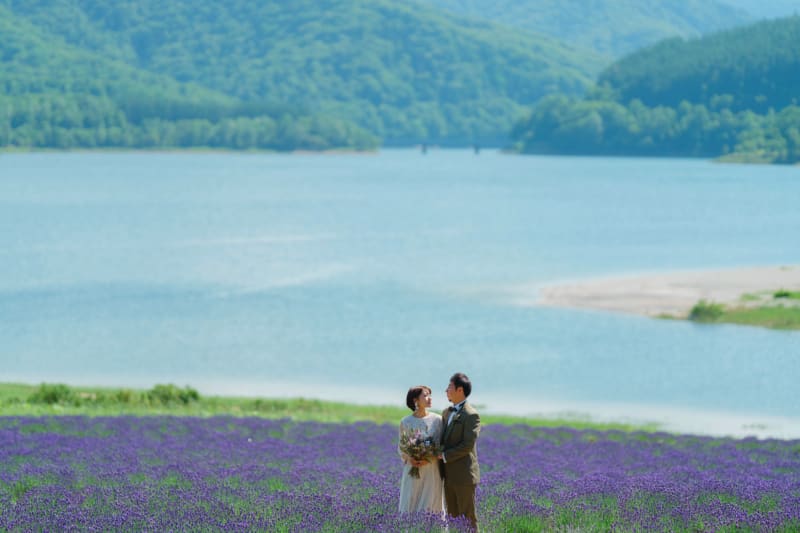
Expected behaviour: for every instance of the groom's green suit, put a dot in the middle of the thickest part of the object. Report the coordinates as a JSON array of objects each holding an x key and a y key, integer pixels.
[{"x": 460, "y": 465}]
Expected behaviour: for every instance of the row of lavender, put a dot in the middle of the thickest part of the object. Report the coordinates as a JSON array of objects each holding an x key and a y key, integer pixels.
[{"x": 166, "y": 473}]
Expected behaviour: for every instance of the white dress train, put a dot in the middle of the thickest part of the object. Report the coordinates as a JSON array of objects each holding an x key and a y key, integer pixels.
[{"x": 426, "y": 492}]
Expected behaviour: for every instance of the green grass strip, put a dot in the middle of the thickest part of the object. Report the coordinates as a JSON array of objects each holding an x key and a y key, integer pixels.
[
  {"x": 58, "y": 399},
  {"x": 770, "y": 316}
]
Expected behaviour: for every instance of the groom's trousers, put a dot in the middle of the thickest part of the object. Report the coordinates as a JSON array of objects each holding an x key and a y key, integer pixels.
[{"x": 460, "y": 501}]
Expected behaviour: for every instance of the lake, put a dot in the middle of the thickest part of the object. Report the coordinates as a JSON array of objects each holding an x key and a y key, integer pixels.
[{"x": 353, "y": 277}]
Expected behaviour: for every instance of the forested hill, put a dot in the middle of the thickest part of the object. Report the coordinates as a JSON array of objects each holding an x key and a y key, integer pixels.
[
  {"x": 55, "y": 95},
  {"x": 404, "y": 72},
  {"x": 734, "y": 94},
  {"x": 755, "y": 68},
  {"x": 610, "y": 27}
]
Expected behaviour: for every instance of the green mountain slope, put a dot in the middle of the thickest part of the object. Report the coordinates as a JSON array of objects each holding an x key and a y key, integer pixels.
[
  {"x": 756, "y": 68},
  {"x": 35, "y": 63},
  {"x": 56, "y": 95},
  {"x": 610, "y": 27},
  {"x": 405, "y": 72},
  {"x": 734, "y": 94}
]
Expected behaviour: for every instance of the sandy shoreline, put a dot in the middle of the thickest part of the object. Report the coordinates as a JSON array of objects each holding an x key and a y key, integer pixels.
[{"x": 672, "y": 294}]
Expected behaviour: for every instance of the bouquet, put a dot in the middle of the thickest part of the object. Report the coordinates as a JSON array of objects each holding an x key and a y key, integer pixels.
[{"x": 420, "y": 447}]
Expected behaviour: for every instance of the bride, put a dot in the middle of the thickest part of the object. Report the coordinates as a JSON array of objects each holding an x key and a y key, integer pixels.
[{"x": 423, "y": 493}]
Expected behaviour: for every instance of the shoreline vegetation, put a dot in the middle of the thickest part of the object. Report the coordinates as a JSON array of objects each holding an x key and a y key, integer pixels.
[
  {"x": 755, "y": 296},
  {"x": 776, "y": 310},
  {"x": 56, "y": 399},
  {"x": 191, "y": 150}
]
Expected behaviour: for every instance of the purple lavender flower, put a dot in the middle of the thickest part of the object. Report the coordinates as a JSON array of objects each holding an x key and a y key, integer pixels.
[{"x": 245, "y": 474}]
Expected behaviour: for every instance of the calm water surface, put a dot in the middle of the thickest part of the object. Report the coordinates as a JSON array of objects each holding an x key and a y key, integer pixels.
[{"x": 355, "y": 276}]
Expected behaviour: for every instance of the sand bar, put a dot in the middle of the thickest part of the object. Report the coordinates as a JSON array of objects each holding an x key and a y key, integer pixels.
[{"x": 672, "y": 294}]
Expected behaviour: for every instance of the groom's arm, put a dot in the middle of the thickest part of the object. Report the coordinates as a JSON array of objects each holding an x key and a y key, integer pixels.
[{"x": 472, "y": 426}]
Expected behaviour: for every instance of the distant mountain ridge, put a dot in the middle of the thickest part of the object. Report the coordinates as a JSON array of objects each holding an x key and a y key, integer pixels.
[
  {"x": 405, "y": 73},
  {"x": 609, "y": 27},
  {"x": 766, "y": 8}
]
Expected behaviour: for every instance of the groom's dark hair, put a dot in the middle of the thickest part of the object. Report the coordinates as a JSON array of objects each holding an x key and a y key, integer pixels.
[
  {"x": 460, "y": 379},
  {"x": 414, "y": 394}
]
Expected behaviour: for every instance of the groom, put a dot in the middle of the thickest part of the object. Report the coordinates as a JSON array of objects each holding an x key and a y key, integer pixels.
[{"x": 460, "y": 456}]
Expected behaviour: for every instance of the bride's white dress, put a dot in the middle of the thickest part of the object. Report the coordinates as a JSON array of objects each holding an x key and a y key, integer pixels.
[{"x": 424, "y": 493}]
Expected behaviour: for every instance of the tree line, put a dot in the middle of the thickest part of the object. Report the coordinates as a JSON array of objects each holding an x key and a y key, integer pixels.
[
  {"x": 601, "y": 127},
  {"x": 52, "y": 121}
]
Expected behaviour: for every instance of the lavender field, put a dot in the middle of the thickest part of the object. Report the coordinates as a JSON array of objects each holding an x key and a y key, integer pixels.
[{"x": 172, "y": 473}]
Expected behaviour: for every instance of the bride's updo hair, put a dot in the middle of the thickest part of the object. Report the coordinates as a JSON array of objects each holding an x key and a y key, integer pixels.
[{"x": 414, "y": 393}]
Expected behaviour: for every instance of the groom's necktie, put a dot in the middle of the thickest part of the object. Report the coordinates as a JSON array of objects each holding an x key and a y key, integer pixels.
[{"x": 453, "y": 412}]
